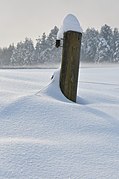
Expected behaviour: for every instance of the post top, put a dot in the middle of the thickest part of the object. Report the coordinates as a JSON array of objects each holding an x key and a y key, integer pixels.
[{"x": 70, "y": 23}]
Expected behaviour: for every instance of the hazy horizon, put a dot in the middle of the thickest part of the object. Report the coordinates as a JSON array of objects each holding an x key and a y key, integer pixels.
[{"x": 21, "y": 18}]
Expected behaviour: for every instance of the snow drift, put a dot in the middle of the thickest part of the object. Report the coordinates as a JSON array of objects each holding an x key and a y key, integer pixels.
[{"x": 45, "y": 136}]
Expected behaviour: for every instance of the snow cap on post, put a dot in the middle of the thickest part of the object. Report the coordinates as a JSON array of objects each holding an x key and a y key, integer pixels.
[{"x": 70, "y": 23}]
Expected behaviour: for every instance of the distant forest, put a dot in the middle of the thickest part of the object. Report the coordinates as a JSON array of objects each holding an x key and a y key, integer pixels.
[{"x": 97, "y": 47}]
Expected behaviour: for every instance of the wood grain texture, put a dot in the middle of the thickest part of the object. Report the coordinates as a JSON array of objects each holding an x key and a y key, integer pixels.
[{"x": 70, "y": 64}]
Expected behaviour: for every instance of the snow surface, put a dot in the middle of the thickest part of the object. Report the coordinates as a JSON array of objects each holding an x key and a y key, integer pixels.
[
  {"x": 70, "y": 23},
  {"x": 43, "y": 135}
]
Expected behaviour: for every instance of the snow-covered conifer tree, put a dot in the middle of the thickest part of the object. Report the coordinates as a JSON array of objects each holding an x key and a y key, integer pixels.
[
  {"x": 89, "y": 45},
  {"x": 107, "y": 34},
  {"x": 41, "y": 46},
  {"x": 23, "y": 53},
  {"x": 54, "y": 53},
  {"x": 28, "y": 51},
  {"x": 52, "y": 37},
  {"x": 102, "y": 53},
  {"x": 116, "y": 45},
  {"x": 6, "y": 54},
  {"x": 45, "y": 51}
]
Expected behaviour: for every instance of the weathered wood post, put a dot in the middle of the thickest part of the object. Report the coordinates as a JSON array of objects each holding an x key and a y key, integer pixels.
[{"x": 72, "y": 34}]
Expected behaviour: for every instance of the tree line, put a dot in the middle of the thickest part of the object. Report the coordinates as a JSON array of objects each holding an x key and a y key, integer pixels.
[{"x": 97, "y": 47}]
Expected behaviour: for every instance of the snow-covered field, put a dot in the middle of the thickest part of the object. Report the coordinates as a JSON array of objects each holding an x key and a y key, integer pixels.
[{"x": 45, "y": 136}]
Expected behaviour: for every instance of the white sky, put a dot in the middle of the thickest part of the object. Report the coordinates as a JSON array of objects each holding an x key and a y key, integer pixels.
[{"x": 30, "y": 18}]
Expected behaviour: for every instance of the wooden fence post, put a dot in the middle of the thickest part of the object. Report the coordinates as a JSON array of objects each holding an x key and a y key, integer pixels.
[{"x": 70, "y": 64}]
